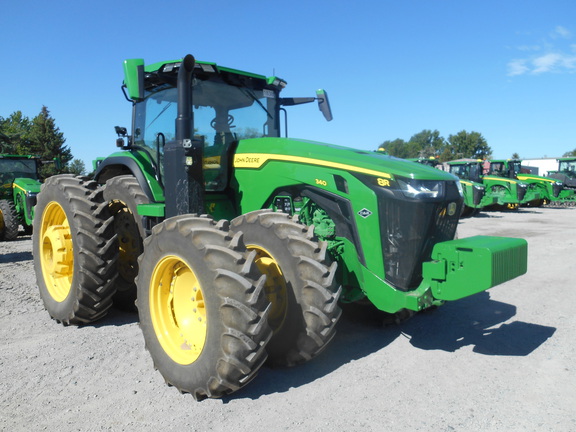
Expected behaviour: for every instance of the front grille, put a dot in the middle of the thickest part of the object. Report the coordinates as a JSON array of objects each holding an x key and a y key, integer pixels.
[
  {"x": 521, "y": 191},
  {"x": 477, "y": 195},
  {"x": 410, "y": 229}
]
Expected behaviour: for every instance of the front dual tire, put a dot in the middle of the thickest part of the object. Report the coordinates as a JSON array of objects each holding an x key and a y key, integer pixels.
[
  {"x": 202, "y": 306},
  {"x": 301, "y": 284}
]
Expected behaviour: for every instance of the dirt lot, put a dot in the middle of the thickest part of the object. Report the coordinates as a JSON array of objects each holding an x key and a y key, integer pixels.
[{"x": 497, "y": 361}]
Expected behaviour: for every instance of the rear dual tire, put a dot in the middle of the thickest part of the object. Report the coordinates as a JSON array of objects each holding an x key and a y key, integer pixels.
[
  {"x": 74, "y": 250},
  {"x": 123, "y": 195}
]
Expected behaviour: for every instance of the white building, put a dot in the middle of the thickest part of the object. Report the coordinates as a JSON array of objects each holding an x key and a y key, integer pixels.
[{"x": 541, "y": 166}]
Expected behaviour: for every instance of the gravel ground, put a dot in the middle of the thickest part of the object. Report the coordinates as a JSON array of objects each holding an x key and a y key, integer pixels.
[{"x": 503, "y": 360}]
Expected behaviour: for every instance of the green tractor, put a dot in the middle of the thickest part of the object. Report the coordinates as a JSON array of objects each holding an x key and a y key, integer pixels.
[
  {"x": 548, "y": 189},
  {"x": 240, "y": 245},
  {"x": 474, "y": 193},
  {"x": 566, "y": 174},
  {"x": 19, "y": 185},
  {"x": 499, "y": 191}
]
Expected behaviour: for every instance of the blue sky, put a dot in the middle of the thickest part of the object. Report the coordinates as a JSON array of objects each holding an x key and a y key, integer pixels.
[{"x": 504, "y": 68}]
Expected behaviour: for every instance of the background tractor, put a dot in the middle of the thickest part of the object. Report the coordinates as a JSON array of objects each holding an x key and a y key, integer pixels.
[
  {"x": 499, "y": 191},
  {"x": 474, "y": 193},
  {"x": 566, "y": 172},
  {"x": 237, "y": 244},
  {"x": 567, "y": 175},
  {"x": 548, "y": 189},
  {"x": 19, "y": 185}
]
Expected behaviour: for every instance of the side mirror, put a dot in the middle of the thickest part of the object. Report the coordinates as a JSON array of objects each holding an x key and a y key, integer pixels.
[
  {"x": 324, "y": 104},
  {"x": 134, "y": 78}
]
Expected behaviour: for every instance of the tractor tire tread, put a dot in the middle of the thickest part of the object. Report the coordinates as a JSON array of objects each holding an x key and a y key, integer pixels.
[
  {"x": 10, "y": 221},
  {"x": 320, "y": 292},
  {"x": 242, "y": 306},
  {"x": 91, "y": 226}
]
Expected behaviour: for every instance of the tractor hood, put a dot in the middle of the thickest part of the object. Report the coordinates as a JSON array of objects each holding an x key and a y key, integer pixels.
[
  {"x": 28, "y": 185},
  {"x": 257, "y": 152}
]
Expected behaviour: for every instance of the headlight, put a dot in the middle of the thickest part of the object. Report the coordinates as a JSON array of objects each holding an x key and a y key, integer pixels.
[
  {"x": 479, "y": 187},
  {"x": 460, "y": 188},
  {"x": 421, "y": 188},
  {"x": 522, "y": 185}
]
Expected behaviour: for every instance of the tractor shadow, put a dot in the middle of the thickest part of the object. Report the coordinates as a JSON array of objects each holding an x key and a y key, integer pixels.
[
  {"x": 477, "y": 321},
  {"x": 14, "y": 257},
  {"x": 116, "y": 317}
]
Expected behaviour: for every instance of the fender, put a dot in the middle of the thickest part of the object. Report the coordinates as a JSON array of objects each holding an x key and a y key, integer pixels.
[
  {"x": 338, "y": 208},
  {"x": 120, "y": 165}
]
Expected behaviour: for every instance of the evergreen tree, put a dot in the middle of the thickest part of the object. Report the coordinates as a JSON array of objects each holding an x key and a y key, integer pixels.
[
  {"x": 77, "y": 167},
  {"x": 13, "y": 133},
  {"x": 46, "y": 140}
]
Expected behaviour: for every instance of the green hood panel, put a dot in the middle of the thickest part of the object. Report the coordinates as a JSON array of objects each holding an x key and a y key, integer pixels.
[
  {"x": 257, "y": 152},
  {"x": 27, "y": 184}
]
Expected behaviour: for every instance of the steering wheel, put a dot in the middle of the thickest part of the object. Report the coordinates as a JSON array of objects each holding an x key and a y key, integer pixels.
[{"x": 230, "y": 120}]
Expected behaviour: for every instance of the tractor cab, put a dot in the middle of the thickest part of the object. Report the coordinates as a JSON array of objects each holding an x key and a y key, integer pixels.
[
  {"x": 467, "y": 171},
  {"x": 506, "y": 168},
  {"x": 568, "y": 165},
  {"x": 224, "y": 111},
  {"x": 227, "y": 105},
  {"x": 12, "y": 167}
]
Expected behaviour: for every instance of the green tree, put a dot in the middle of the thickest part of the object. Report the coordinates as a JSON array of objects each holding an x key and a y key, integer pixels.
[
  {"x": 422, "y": 144},
  {"x": 13, "y": 133},
  {"x": 515, "y": 156},
  {"x": 77, "y": 167},
  {"x": 46, "y": 140},
  {"x": 397, "y": 147},
  {"x": 426, "y": 143},
  {"x": 570, "y": 153},
  {"x": 466, "y": 145}
]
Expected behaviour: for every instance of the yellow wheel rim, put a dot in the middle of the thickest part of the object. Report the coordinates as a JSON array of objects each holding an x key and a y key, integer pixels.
[
  {"x": 275, "y": 287},
  {"x": 56, "y": 253},
  {"x": 178, "y": 310}
]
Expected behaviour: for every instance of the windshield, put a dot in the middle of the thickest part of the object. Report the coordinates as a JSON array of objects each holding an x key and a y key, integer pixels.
[
  {"x": 223, "y": 114},
  {"x": 569, "y": 166},
  {"x": 466, "y": 171},
  {"x": 14, "y": 168},
  {"x": 517, "y": 167},
  {"x": 459, "y": 170},
  {"x": 498, "y": 168}
]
